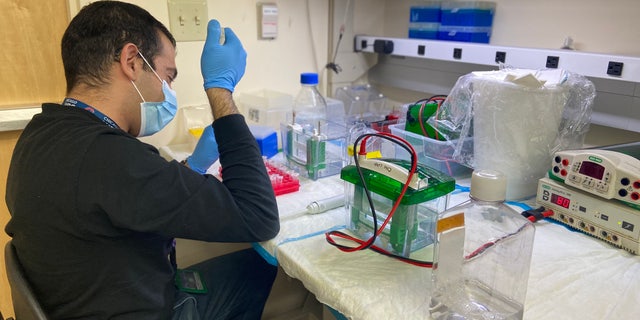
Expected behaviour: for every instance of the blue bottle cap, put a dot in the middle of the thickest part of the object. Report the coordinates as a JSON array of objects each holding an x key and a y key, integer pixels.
[{"x": 309, "y": 78}]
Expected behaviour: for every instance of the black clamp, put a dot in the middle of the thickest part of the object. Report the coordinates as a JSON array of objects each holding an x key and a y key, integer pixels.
[{"x": 537, "y": 214}]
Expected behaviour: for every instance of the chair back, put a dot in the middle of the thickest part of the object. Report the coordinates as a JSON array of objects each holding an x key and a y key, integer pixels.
[{"x": 25, "y": 303}]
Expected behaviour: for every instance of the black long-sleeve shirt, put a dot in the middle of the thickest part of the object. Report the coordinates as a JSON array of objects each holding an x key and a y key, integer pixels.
[{"x": 94, "y": 211}]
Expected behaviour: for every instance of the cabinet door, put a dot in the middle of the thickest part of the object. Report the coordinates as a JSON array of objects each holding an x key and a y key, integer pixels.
[{"x": 31, "y": 70}]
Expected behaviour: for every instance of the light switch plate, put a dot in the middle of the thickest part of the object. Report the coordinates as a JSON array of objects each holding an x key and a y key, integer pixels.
[{"x": 188, "y": 19}]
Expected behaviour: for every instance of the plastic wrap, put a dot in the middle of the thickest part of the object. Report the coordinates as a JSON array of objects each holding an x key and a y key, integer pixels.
[{"x": 517, "y": 119}]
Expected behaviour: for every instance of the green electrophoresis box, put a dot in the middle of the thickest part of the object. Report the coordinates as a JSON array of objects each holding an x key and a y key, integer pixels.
[
  {"x": 417, "y": 116},
  {"x": 412, "y": 226}
]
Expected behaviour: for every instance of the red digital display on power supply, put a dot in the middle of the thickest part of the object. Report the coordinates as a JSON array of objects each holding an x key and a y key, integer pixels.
[
  {"x": 592, "y": 170},
  {"x": 560, "y": 200}
]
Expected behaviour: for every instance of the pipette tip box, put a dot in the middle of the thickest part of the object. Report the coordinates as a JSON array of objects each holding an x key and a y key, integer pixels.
[{"x": 267, "y": 139}]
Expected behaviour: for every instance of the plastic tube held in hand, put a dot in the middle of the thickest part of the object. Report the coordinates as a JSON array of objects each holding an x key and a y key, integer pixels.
[
  {"x": 223, "y": 60},
  {"x": 323, "y": 205}
]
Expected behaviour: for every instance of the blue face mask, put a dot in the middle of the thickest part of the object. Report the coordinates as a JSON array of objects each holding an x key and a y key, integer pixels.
[{"x": 156, "y": 115}]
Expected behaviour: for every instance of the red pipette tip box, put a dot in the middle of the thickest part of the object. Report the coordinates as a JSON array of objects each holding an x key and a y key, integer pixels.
[{"x": 281, "y": 179}]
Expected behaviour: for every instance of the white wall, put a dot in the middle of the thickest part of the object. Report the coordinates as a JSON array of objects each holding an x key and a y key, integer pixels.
[
  {"x": 603, "y": 26},
  {"x": 301, "y": 46},
  {"x": 303, "y": 43}
]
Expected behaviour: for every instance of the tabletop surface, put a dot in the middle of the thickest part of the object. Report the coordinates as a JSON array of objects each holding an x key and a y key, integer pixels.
[{"x": 573, "y": 275}]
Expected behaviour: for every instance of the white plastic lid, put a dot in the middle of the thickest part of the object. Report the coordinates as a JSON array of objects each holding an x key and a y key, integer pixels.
[{"x": 488, "y": 185}]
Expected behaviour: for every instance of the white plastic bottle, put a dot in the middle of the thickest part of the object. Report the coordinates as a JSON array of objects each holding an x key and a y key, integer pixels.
[{"x": 483, "y": 255}]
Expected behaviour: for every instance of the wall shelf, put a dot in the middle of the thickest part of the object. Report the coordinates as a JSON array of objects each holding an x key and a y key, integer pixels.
[
  {"x": 588, "y": 64},
  {"x": 429, "y": 66}
]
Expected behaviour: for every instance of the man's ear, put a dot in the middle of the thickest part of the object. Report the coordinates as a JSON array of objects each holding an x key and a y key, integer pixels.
[{"x": 129, "y": 62}]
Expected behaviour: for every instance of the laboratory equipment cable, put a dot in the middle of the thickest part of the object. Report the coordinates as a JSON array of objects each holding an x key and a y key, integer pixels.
[
  {"x": 439, "y": 99},
  {"x": 311, "y": 37},
  {"x": 369, "y": 244},
  {"x": 332, "y": 65},
  {"x": 532, "y": 215}
]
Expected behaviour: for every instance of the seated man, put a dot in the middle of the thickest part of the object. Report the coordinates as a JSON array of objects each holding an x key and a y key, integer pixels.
[{"x": 95, "y": 211}]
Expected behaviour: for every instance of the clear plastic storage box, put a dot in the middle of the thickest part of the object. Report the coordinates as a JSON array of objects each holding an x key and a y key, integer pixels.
[
  {"x": 412, "y": 226},
  {"x": 431, "y": 152},
  {"x": 315, "y": 154},
  {"x": 265, "y": 107}
]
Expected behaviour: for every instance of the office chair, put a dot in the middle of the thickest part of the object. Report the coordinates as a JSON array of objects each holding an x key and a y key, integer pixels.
[{"x": 25, "y": 304}]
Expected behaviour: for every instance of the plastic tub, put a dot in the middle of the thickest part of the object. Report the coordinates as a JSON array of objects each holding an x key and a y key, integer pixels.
[{"x": 433, "y": 153}]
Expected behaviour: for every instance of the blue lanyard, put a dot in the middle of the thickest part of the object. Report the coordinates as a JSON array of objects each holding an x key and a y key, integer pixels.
[{"x": 79, "y": 104}]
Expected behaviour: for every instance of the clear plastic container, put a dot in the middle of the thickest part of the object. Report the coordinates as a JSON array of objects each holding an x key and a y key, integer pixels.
[
  {"x": 483, "y": 254},
  {"x": 265, "y": 107},
  {"x": 195, "y": 119},
  {"x": 433, "y": 153},
  {"x": 312, "y": 146},
  {"x": 412, "y": 226},
  {"x": 314, "y": 155},
  {"x": 362, "y": 103}
]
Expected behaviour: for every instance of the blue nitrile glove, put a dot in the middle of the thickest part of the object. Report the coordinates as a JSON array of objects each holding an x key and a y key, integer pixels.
[
  {"x": 222, "y": 65},
  {"x": 205, "y": 153}
]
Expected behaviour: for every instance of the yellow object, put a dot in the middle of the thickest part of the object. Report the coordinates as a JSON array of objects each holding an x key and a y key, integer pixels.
[
  {"x": 196, "y": 131},
  {"x": 370, "y": 155}
]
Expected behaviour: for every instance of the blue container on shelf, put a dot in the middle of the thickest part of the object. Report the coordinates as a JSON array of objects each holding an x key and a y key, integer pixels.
[
  {"x": 429, "y": 11},
  {"x": 467, "y": 13},
  {"x": 464, "y": 34},
  {"x": 424, "y": 20},
  {"x": 467, "y": 21},
  {"x": 419, "y": 30}
]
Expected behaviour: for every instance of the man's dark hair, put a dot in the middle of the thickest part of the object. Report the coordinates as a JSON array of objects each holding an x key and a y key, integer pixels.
[{"x": 95, "y": 37}]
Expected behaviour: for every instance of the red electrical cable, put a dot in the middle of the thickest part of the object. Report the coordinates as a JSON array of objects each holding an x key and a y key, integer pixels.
[
  {"x": 369, "y": 243},
  {"x": 439, "y": 100}
]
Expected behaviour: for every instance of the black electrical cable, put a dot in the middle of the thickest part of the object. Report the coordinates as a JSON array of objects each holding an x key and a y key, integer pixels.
[{"x": 369, "y": 243}]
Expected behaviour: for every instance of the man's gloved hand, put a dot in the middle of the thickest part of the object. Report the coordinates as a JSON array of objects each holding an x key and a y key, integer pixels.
[
  {"x": 205, "y": 153},
  {"x": 222, "y": 65}
]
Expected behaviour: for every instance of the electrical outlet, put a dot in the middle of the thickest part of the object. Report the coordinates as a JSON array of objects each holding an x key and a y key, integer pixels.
[
  {"x": 421, "y": 50},
  {"x": 552, "y": 62},
  {"x": 615, "y": 68},
  {"x": 383, "y": 46},
  {"x": 188, "y": 19},
  {"x": 457, "y": 53},
  {"x": 501, "y": 56}
]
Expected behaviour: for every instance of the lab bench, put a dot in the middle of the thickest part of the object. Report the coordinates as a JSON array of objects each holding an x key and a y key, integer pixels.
[{"x": 573, "y": 276}]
